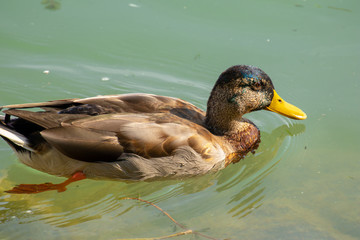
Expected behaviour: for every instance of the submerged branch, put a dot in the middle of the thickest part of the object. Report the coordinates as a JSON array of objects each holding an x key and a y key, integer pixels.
[
  {"x": 163, "y": 237},
  {"x": 187, "y": 231}
]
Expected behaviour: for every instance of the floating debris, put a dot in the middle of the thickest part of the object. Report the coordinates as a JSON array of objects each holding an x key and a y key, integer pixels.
[
  {"x": 340, "y": 9},
  {"x": 46, "y": 71},
  {"x": 51, "y": 4},
  {"x": 105, "y": 79},
  {"x": 133, "y": 5}
]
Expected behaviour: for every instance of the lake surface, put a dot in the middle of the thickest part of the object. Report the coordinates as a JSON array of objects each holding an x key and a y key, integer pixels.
[{"x": 303, "y": 182}]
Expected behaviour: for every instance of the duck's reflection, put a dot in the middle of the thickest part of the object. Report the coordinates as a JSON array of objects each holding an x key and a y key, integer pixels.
[
  {"x": 88, "y": 200},
  {"x": 254, "y": 169}
]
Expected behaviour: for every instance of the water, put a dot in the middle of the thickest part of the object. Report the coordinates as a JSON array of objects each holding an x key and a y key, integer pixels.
[{"x": 302, "y": 183}]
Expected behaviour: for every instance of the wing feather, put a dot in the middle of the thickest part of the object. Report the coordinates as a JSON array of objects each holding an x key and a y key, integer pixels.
[
  {"x": 104, "y": 127},
  {"x": 83, "y": 144}
]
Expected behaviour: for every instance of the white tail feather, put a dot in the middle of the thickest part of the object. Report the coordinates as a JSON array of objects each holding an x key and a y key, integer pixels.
[{"x": 15, "y": 137}]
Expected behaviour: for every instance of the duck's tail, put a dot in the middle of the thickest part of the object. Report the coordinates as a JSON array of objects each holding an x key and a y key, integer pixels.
[{"x": 14, "y": 138}]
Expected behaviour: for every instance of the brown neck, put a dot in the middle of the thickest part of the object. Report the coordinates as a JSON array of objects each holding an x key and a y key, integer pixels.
[
  {"x": 224, "y": 111},
  {"x": 221, "y": 119}
]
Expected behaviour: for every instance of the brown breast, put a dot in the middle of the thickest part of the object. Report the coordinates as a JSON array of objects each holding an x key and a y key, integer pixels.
[{"x": 243, "y": 141}]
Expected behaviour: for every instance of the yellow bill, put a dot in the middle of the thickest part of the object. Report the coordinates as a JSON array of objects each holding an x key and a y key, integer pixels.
[{"x": 278, "y": 105}]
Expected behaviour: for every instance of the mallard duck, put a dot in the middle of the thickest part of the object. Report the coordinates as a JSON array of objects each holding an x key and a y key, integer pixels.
[{"x": 142, "y": 136}]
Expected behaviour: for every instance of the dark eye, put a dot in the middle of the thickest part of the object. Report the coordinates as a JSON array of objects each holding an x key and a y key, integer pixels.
[{"x": 256, "y": 86}]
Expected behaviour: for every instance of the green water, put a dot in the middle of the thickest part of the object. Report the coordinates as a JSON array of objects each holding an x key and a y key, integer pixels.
[{"x": 302, "y": 183}]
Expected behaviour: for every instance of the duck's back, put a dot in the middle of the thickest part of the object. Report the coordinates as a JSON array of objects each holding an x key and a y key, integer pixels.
[{"x": 124, "y": 103}]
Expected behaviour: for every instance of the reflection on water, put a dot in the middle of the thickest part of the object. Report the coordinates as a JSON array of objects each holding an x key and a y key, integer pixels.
[
  {"x": 89, "y": 200},
  {"x": 255, "y": 170}
]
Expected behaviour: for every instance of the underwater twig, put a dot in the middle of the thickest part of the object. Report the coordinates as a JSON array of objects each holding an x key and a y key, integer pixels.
[
  {"x": 160, "y": 209},
  {"x": 164, "y": 237},
  {"x": 187, "y": 231}
]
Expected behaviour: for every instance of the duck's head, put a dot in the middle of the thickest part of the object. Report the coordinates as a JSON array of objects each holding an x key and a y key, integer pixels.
[{"x": 242, "y": 89}]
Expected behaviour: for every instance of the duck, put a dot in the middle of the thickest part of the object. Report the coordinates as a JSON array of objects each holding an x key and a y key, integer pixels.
[{"x": 140, "y": 136}]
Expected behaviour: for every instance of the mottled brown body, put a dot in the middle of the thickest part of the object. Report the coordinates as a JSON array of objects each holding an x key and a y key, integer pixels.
[
  {"x": 141, "y": 136},
  {"x": 103, "y": 129}
]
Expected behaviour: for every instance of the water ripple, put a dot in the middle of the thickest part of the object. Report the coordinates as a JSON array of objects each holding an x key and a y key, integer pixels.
[{"x": 248, "y": 175}]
